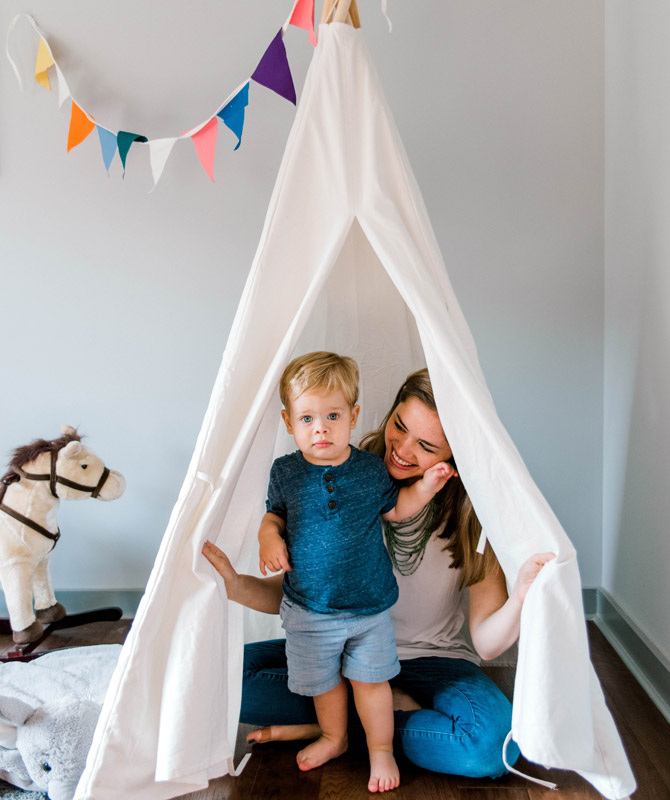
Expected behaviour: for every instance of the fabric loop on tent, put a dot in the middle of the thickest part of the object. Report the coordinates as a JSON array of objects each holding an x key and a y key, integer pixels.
[
  {"x": 236, "y": 771},
  {"x": 547, "y": 784}
]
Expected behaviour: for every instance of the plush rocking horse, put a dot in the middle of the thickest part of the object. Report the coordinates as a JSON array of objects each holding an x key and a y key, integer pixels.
[{"x": 40, "y": 475}]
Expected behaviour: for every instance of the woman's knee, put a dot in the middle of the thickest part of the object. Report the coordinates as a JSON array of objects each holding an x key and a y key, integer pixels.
[
  {"x": 467, "y": 740},
  {"x": 267, "y": 655}
]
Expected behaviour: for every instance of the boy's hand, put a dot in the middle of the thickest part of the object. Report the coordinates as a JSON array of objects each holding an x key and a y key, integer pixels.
[
  {"x": 435, "y": 477},
  {"x": 273, "y": 553}
]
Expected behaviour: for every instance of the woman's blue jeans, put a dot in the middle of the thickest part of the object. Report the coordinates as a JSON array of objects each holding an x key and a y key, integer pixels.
[{"x": 459, "y": 730}]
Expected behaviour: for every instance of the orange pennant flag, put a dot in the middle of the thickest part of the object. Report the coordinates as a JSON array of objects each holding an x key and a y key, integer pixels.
[
  {"x": 42, "y": 64},
  {"x": 80, "y": 127}
]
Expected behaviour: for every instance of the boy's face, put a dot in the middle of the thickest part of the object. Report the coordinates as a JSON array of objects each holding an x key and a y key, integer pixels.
[{"x": 321, "y": 424}]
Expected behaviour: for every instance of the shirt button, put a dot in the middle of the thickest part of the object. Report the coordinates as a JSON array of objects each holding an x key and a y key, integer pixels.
[
  {"x": 330, "y": 488},
  {"x": 332, "y": 504},
  {"x": 328, "y": 476}
]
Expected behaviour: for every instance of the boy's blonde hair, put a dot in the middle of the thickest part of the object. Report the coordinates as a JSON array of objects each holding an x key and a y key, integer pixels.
[{"x": 319, "y": 371}]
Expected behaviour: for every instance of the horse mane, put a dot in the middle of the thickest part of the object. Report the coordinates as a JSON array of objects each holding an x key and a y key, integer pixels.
[{"x": 29, "y": 452}]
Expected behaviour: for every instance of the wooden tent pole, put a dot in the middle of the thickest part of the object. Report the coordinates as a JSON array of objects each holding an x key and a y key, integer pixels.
[
  {"x": 342, "y": 11},
  {"x": 353, "y": 14},
  {"x": 327, "y": 10},
  {"x": 346, "y": 11}
]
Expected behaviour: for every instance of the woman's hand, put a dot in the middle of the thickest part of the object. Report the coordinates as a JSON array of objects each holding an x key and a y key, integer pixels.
[
  {"x": 221, "y": 563},
  {"x": 260, "y": 594},
  {"x": 435, "y": 477},
  {"x": 495, "y": 618},
  {"x": 530, "y": 569},
  {"x": 412, "y": 498}
]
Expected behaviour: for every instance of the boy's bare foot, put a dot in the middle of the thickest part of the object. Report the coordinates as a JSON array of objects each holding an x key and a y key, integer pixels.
[
  {"x": 384, "y": 773},
  {"x": 284, "y": 733},
  {"x": 320, "y": 751}
]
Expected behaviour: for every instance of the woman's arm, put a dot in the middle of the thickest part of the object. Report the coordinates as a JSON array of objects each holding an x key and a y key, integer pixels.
[
  {"x": 259, "y": 594},
  {"x": 495, "y": 617}
]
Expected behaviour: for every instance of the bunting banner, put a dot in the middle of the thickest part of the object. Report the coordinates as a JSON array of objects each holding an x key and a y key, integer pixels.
[{"x": 272, "y": 72}]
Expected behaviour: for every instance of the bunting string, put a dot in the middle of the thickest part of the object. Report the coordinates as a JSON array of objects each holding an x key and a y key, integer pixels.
[{"x": 272, "y": 72}]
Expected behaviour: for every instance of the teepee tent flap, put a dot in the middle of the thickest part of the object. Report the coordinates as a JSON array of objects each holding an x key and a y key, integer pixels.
[{"x": 347, "y": 261}]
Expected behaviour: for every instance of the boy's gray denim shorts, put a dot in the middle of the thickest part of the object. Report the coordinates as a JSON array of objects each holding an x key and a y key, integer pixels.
[{"x": 321, "y": 648}]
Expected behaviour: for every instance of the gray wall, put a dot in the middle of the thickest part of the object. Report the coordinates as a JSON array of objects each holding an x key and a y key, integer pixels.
[
  {"x": 115, "y": 302},
  {"x": 636, "y": 546}
]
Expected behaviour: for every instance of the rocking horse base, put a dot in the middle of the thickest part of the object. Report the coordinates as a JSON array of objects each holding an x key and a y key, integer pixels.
[{"x": 25, "y": 652}]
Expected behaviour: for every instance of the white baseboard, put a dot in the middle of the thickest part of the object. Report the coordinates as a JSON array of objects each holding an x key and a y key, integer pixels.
[
  {"x": 650, "y": 668},
  {"x": 78, "y": 600}
]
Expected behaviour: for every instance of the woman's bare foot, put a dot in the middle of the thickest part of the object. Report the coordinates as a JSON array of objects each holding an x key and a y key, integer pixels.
[
  {"x": 284, "y": 733},
  {"x": 402, "y": 701},
  {"x": 320, "y": 751},
  {"x": 384, "y": 773}
]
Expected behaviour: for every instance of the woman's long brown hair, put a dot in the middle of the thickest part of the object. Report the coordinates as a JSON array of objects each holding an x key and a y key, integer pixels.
[{"x": 454, "y": 508}]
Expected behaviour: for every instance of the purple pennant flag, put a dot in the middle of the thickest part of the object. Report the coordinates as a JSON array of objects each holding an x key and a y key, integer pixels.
[{"x": 273, "y": 70}]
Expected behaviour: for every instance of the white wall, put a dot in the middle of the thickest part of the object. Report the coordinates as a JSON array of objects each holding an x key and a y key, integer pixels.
[
  {"x": 115, "y": 303},
  {"x": 636, "y": 546}
]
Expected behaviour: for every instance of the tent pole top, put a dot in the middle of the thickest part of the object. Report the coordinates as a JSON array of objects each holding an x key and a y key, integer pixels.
[{"x": 344, "y": 11}]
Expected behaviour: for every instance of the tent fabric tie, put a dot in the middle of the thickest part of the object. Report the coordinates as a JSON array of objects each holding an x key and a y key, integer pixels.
[
  {"x": 236, "y": 771},
  {"x": 547, "y": 784}
]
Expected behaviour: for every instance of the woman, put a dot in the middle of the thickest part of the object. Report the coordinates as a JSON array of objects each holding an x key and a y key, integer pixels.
[{"x": 450, "y": 717}]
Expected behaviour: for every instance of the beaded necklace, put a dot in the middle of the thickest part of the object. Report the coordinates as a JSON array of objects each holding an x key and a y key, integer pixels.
[{"x": 406, "y": 540}]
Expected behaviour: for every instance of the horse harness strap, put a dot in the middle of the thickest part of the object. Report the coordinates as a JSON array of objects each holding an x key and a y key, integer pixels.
[{"x": 19, "y": 517}]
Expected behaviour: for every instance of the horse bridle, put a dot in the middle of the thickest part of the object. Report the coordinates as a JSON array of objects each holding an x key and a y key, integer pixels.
[{"x": 54, "y": 479}]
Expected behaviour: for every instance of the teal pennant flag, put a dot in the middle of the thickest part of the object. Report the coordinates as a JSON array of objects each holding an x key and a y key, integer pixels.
[
  {"x": 232, "y": 113},
  {"x": 124, "y": 140},
  {"x": 107, "y": 145}
]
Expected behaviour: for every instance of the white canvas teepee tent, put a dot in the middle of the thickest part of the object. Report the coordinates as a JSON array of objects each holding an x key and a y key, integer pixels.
[{"x": 347, "y": 261}]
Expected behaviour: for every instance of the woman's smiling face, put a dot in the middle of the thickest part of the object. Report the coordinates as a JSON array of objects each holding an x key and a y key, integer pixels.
[{"x": 414, "y": 440}]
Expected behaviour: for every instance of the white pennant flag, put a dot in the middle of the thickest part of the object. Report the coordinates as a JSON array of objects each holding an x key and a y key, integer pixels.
[
  {"x": 63, "y": 88},
  {"x": 159, "y": 152}
]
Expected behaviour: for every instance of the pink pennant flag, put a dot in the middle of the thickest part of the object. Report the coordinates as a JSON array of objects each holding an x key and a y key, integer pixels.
[
  {"x": 303, "y": 17},
  {"x": 205, "y": 145}
]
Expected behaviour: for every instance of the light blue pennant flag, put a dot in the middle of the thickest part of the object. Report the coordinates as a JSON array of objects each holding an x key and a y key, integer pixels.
[{"x": 107, "y": 145}]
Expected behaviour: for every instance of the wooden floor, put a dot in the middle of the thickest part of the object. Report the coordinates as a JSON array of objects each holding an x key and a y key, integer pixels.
[{"x": 271, "y": 773}]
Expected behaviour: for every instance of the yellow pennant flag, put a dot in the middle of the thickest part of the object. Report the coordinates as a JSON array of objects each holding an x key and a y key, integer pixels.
[{"x": 44, "y": 61}]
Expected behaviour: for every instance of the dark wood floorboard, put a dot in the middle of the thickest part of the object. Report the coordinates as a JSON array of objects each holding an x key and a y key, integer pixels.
[{"x": 271, "y": 773}]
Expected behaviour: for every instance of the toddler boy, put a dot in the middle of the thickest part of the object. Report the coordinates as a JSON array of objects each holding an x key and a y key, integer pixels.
[{"x": 323, "y": 528}]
